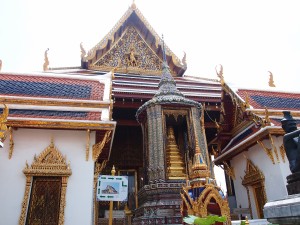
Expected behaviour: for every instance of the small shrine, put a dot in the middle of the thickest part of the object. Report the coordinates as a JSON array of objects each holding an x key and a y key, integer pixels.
[{"x": 201, "y": 196}]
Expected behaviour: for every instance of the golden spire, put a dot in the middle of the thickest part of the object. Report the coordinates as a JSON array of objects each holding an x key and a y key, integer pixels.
[
  {"x": 46, "y": 62},
  {"x": 271, "y": 80},
  {"x": 199, "y": 168},
  {"x": 175, "y": 163}
]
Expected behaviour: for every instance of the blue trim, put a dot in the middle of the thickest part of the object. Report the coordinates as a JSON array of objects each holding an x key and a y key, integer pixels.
[{"x": 49, "y": 113}]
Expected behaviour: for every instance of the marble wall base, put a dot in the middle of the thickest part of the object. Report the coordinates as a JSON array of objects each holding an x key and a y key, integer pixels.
[{"x": 284, "y": 211}]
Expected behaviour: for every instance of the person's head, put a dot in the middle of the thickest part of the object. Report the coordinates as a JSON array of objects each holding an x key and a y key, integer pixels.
[{"x": 288, "y": 123}]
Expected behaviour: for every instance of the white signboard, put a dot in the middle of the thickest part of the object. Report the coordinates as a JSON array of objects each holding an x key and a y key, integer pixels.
[{"x": 112, "y": 188}]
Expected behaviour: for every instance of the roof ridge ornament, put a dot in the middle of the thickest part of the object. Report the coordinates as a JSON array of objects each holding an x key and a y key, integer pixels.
[
  {"x": 220, "y": 74},
  {"x": 271, "y": 80},
  {"x": 46, "y": 60},
  {"x": 133, "y": 5},
  {"x": 184, "y": 60},
  {"x": 83, "y": 52}
]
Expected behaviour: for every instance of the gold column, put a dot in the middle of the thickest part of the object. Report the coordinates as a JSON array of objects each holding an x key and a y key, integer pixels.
[{"x": 111, "y": 203}]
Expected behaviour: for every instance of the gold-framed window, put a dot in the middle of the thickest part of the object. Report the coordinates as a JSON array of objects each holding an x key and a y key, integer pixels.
[{"x": 46, "y": 185}]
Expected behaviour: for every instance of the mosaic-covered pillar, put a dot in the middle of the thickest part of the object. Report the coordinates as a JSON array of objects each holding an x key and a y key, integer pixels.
[{"x": 156, "y": 160}]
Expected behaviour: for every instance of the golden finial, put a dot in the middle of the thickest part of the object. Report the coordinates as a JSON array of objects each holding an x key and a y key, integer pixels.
[
  {"x": 113, "y": 171},
  {"x": 220, "y": 74},
  {"x": 83, "y": 52},
  {"x": 133, "y": 5},
  {"x": 27, "y": 166},
  {"x": 271, "y": 80},
  {"x": 0, "y": 64},
  {"x": 46, "y": 62},
  {"x": 247, "y": 221},
  {"x": 184, "y": 60}
]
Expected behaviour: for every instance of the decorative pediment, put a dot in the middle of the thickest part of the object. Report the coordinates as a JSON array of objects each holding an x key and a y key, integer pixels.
[
  {"x": 132, "y": 46},
  {"x": 253, "y": 174},
  {"x": 48, "y": 163},
  {"x": 130, "y": 54}
]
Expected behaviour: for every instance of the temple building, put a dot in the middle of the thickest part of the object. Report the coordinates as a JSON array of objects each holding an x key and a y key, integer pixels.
[
  {"x": 130, "y": 105},
  {"x": 249, "y": 146}
]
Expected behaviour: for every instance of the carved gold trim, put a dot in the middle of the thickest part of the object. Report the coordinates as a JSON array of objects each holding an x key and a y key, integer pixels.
[
  {"x": 268, "y": 151},
  {"x": 249, "y": 201},
  {"x": 274, "y": 147},
  {"x": 3, "y": 123},
  {"x": 87, "y": 148},
  {"x": 45, "y": 102},
  {"x": 199, "y": 206},
  {"x": 253, "y": 177},
  {"x": 282, "y": 152},
  {"x": 97, "y": 148},
  {"x": 229, "y": 170},
  {"x": 273, "y": 113},
  {"x": 49, "y": 163},
  {"x": 60, "y": 124},
  {"x": 175, "y": 113},
  {"x": 11, "y": 143}
]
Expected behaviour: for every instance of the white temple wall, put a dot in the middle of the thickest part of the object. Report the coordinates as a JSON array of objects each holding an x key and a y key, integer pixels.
[
  {"x": 275, "y": 174},
  {"x": 27, "y": 143}
]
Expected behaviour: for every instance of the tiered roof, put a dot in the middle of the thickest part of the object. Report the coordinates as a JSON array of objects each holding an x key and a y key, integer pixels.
[
  {"x": 58, "y": 101},
  {"x": 258, "y": 113}
]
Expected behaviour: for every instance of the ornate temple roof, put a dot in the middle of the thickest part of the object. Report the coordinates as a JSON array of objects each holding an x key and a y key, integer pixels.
[
  {"x": 257, "y": 114},
  {"x": 28, "y": 85},
  {"x": 132, "y": 46},
  {"x": 53, "y": 97},
  {"x": 260, "y": 99}
]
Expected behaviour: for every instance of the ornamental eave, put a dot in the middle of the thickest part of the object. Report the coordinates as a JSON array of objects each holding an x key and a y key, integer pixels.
[{"x": 248, "y": 142}]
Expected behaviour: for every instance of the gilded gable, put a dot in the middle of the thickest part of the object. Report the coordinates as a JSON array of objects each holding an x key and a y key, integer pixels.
[{"x": 130, "y": 54}]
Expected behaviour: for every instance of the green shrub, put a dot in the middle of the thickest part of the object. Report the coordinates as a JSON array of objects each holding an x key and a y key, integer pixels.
[{"x": 211, "y": 219}]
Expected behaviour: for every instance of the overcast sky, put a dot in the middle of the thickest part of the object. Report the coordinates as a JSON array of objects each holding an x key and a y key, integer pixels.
[{"x": 249, "y": 38}]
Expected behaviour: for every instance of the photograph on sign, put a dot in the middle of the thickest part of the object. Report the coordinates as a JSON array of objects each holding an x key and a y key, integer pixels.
[{"x": 112, "y": 188}]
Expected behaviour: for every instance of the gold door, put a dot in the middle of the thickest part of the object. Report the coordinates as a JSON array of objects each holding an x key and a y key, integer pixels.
[{"x": 44, "y": 201}]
